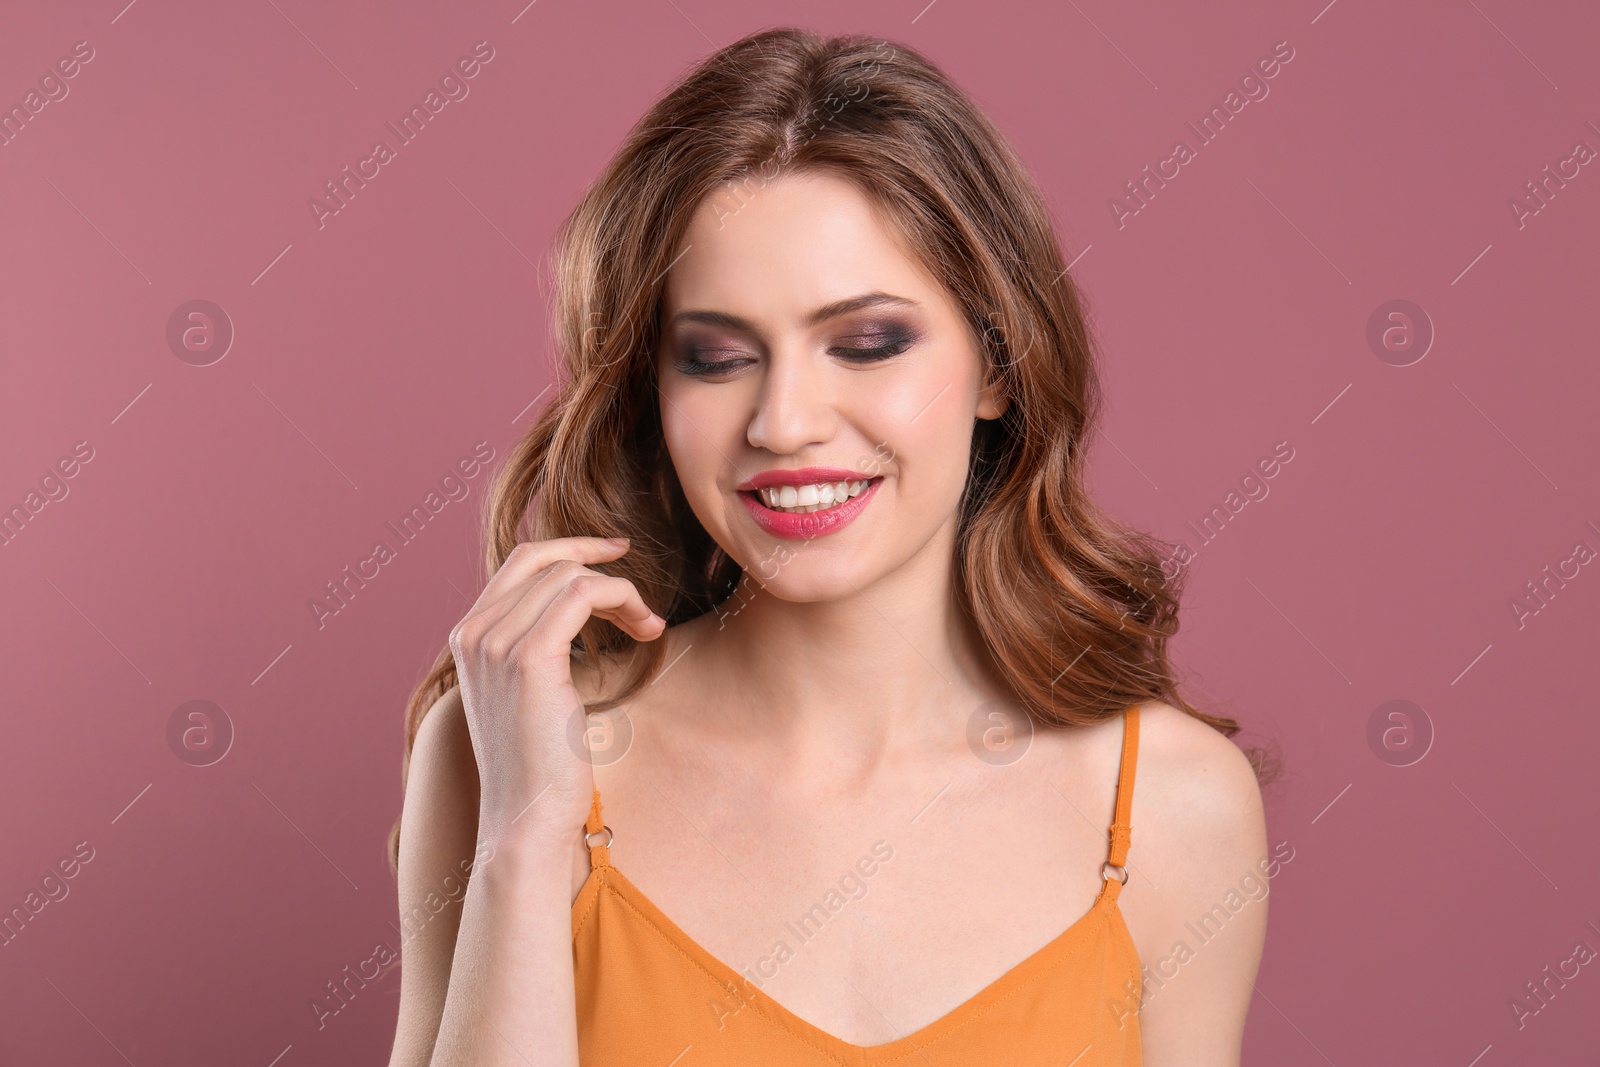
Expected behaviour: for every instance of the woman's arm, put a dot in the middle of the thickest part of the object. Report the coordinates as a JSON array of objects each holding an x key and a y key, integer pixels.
[
  {"x": 438, "y": 821},
  {"x": 1200, "y": 897},
  {"x": 498, "y": 768},
  {"x": 487, "y": 980}
]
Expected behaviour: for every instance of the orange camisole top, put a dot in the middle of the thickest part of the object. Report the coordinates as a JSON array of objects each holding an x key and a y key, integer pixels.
[{"x": 648, "y": 995}]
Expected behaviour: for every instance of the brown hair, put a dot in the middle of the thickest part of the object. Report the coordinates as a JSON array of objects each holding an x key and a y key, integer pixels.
[{"x": 1073, "y": 606}]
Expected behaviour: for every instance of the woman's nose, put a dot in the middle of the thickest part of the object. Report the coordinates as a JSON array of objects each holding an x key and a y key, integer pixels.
[{"x": 794, "y": 406}]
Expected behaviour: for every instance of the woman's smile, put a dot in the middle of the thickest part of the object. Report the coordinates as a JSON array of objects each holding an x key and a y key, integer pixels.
[
  {"x": 810, "y": 510},
  {"x": 798, "y": 499}
]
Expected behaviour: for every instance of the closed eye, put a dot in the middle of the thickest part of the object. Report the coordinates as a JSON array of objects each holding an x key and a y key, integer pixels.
[
  {"x": 872, "y": 355},
  {"x": 694, "y": 364}
]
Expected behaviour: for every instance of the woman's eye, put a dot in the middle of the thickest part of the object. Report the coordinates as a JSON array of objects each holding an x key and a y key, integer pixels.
[
  {"x": 693, "y": 362},
  {"x": 696, "y": 362},
  {"x": 892, "y": 346}
]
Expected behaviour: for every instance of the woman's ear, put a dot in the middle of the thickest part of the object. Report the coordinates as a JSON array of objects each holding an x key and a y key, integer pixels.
[{"x": 992, "y": 401}]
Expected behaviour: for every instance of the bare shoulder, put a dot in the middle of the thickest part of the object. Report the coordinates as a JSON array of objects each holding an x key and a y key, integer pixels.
[
  {"x": 445, "y": 726},
  {"x": 1196, "y": 899},
  {"x": 1199, "y": 783},
  {"x": 442, "y": 779}
]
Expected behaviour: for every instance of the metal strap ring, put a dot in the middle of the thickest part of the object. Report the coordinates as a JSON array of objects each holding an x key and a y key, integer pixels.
[
  {"x": 1123, "y": 871},
  {"x": 610, "y": 837}
]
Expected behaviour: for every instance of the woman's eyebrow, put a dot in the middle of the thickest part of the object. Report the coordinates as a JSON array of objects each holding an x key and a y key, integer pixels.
[{"x": 820, "y": 315}]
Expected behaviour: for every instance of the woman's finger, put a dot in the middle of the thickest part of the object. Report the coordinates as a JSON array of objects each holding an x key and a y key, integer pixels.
[{"x": 507, "y": 586}]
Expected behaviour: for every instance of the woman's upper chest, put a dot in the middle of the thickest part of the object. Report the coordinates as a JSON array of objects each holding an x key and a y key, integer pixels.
[{"x": 870, "y": 912}]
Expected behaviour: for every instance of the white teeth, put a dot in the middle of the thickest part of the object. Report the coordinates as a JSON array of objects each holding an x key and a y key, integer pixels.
[{"x": 808, "y": 498}]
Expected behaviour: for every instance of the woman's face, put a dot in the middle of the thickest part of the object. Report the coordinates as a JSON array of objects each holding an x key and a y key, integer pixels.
[{"x": 798, "y": 333}]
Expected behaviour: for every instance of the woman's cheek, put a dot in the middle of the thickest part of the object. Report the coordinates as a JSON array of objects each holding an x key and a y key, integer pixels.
[
  {"x": 680, "y": 450},
  {"x": 694, "y": 452},
  {"x": 933, "y": 451},
  {"x": 931, "y": 396}
]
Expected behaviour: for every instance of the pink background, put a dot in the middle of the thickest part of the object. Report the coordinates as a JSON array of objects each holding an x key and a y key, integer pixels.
[{"x": 373, "y": 353}]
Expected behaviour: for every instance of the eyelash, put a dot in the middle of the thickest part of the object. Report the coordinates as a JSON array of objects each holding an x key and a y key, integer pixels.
[{"x": 862, "y": 356}]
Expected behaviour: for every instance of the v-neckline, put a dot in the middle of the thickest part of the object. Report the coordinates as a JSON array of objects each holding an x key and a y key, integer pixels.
[{"x": 1033, "y": 965}]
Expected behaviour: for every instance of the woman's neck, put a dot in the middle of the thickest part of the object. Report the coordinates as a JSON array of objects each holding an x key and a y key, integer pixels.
[{"x": 840, "y": 685}]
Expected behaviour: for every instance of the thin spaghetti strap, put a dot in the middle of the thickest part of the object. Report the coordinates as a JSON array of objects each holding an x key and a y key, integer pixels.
[
  {"x": 1121, "y": 830},
  {"x": 599, "y": 850}
]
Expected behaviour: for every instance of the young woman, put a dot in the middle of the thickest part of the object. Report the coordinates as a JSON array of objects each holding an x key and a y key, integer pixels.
[{"x": 865, "y": 685}]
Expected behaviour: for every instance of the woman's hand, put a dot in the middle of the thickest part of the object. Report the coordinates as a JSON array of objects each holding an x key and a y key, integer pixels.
[{"x": 513, "y": 661}]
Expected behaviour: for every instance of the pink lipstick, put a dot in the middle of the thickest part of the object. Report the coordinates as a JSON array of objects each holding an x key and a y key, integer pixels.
[{"x": 809, "y": 525}]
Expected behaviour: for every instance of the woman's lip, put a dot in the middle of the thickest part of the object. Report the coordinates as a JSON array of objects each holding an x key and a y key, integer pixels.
[
  {"x": 810, "y": 525},
  {"x": 800, "y": 476}
]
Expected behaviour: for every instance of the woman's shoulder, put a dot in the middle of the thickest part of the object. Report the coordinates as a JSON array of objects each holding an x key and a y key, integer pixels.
[
  {"x": 1196, "y": 901},
  {"x": 1190, "y": 762},
  {"x": 1198, "y": 855},
  {"x": 1195, "y": 796}
]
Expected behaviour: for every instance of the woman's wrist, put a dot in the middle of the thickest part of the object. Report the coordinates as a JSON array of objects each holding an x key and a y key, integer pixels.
[{"x": 529, "y": 844}]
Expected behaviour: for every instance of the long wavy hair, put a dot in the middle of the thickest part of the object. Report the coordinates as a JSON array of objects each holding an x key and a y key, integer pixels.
[{"x": 1073, "y": 606}]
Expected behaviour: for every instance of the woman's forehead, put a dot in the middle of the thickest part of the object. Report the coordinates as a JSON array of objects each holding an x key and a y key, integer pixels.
[{"x": 788, "y": 248}]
